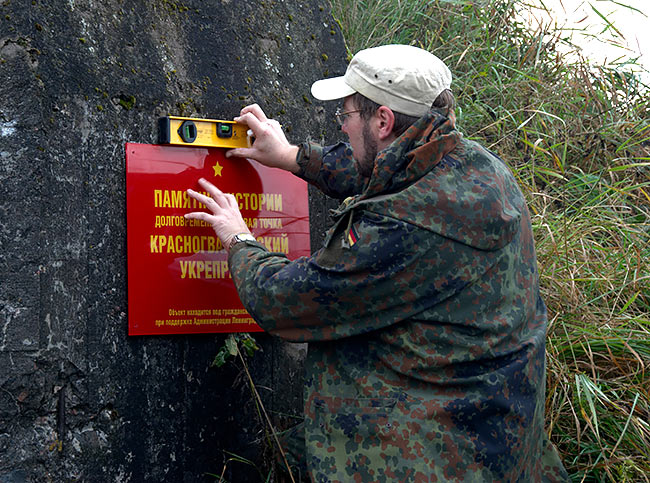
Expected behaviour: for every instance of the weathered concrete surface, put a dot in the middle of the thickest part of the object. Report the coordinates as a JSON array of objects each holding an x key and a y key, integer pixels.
[{"x": 79, "y": 78}]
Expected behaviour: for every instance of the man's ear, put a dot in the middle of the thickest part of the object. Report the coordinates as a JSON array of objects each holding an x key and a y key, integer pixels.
[{"x": 385, "y": 122}]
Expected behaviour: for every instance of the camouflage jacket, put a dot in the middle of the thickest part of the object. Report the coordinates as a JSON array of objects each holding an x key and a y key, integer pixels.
[{"x": 427, "y": 332}]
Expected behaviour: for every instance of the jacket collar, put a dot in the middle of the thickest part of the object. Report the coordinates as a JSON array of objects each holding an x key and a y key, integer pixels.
[{"x": 414, "y": 153}]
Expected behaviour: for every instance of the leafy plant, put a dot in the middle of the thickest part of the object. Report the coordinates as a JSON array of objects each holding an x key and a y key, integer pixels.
[{"x": 230, "y": 348}]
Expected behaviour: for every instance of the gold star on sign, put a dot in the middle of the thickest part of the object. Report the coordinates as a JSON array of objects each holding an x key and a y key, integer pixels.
[{"x": 217, "y": 169}]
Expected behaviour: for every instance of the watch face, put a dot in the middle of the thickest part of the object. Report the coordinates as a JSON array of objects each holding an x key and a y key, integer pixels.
[{"x": 240, "y": 238}]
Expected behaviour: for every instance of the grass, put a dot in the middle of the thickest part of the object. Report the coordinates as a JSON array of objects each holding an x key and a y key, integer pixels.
[{"x": 577, "y": 137}]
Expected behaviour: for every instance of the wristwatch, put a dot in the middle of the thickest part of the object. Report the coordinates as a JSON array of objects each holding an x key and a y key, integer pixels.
[{"x": 240, "y": 237}]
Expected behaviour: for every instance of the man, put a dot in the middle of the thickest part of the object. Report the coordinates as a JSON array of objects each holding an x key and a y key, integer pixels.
[{"x": 422, "y": 309}]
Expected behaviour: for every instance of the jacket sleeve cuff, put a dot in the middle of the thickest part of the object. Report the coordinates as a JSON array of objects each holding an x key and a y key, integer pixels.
[
  {"x": 243, "y": 245},
  {"x": 310, "y": 160}
]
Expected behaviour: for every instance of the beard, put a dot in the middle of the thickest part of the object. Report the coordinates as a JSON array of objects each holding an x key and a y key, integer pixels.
[{"x": 367, "y": 163}]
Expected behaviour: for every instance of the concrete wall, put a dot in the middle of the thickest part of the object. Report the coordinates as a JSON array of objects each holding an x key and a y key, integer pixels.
[{"x": 79, "y": 78}]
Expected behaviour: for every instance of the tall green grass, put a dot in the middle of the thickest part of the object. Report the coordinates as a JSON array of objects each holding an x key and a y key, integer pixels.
[{"x": 577, "y": 137}]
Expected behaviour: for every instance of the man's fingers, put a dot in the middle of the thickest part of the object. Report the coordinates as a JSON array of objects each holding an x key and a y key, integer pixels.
[
  {"x": 240, "y": 153},
  {"x": 217, "y": 200},
  {"x": 199, "y": 215},
  {"x": 212, "y": 189},
  {"x": 256, "y": 111},
  {"x": 217, "y": 195},
  {"x": 200, "y": 197},
  {"x": 252, "y": 121}
]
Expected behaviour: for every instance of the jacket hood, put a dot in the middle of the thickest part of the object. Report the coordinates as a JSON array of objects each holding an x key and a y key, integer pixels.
[
  {"x": 414, "y": 153},
  {"x": 434, "y": 178}
]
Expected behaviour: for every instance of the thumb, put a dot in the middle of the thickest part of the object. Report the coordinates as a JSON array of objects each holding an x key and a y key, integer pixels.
[{"x": 240, "y": 153}]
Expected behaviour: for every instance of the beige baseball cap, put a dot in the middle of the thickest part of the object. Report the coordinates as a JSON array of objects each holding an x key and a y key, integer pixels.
[{"x": 404, "y": 78}]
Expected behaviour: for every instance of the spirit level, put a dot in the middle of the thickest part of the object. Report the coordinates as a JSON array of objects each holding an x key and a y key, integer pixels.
[{"x": 188, "y": 131}]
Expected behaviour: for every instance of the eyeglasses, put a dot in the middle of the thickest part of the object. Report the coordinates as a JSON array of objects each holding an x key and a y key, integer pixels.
[{"x": 342, "y": 116}]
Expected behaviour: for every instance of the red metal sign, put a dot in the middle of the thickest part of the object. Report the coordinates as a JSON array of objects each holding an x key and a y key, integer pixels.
[{"x": 178, "y": 277}]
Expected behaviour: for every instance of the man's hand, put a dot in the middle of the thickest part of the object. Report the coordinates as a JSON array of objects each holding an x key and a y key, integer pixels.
[
  {"x": 226, "y": 219},
  {"x": 271, "y": 147}
]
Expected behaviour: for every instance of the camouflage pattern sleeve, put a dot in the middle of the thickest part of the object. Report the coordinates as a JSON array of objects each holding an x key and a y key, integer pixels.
[
  {"x": 332, "y": 169},
  {"x": 375, "y": 271}
]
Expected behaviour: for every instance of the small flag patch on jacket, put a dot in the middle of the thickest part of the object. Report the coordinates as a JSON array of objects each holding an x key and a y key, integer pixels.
[{"x": 353, "y": 236}]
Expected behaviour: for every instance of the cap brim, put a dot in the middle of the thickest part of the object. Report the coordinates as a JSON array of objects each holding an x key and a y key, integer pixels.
[{"x": 330, "y": 89}]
